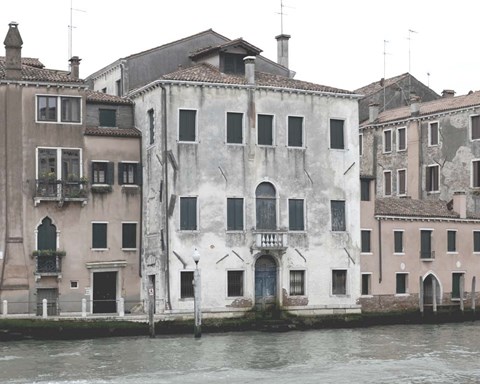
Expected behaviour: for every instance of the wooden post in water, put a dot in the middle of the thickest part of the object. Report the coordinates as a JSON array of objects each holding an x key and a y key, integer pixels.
[
  {"x": 420, "y": 295},
  {"x": 197, "y": 304},
  {"x": 462, "y": 291},
  {"x": 151, "y": 308},
  {"x": 473, "y": 296},
  {"x": 434, "y": 294},
  {"x": 5, "y": 308}
]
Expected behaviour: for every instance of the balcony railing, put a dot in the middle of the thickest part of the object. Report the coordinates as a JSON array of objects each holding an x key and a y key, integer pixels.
[
  {"x": 60, "y": 190},
  {"x": 427, "y": 255},
  {"x": 48, "y": 262},
  {"x": 271, "y": 240}
]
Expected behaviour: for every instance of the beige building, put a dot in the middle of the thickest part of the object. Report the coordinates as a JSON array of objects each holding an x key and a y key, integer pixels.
[
  {"x": 420, "y": 187},
  {"x": 70, "y": 190}
]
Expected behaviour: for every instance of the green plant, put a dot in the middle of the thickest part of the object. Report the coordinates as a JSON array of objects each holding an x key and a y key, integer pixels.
[{"x": 48, "y": 252}]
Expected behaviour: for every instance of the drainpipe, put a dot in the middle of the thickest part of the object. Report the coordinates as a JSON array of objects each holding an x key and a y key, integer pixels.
[
  {"x": 379, "y": 250},
  {"x": 5, "y": 199},
  {"x": 140, "y": 248}
]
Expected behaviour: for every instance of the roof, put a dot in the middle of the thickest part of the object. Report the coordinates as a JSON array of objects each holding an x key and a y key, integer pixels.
[
  {"x": 115, "y": 132},
  {"x": 378, "y": 85},
  {"x": 29, "y": 61},
  {"x": 207, "y": 73},
  {"x": 104, "y": 98},
  {"x": 251, "y": 49},
  {"x": 406, "y": 207},
  {"x": 441, "y": 105}
]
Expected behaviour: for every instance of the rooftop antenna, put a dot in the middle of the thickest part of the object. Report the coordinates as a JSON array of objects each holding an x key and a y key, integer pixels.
[
  {"x": 428, "y": 79},
  {"x": 282, "y": 13},
  {"x": 70, "y": 29},
  {"x": 385, "y": 42},
  {"x": 410, "y": 31}
]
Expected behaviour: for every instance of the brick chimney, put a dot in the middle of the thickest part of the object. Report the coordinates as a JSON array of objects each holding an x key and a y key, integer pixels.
[
  {"x": 13, "y": 52},
  {"x": 249, "y": 69},
  {"x": 282, "y": 49},
  {"x": 414, "y": 105},
  {"x": 373, "y": 109},
  {"x": 74, "y": 67},
  {"x": 460, "y": 204},
  {"x": 448, "y": 93}
]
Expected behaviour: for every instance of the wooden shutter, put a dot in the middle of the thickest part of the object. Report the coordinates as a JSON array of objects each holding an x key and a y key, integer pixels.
[
  {"x": 265, "y": 130},
  {"x": 138, "y": 174},
  {"x": 398, "y": 240},
  {"x": 235, "y": 214},
  {"x": 456, "y": 285},
  {"x": 366, "y": 241},
  {"x": 336, "y": 134},
  {"x": 401, "y": 283},
  {"x": 110, "y": 171},
  {"x": 425, "y": 245},
  {"x": 295, "y": 215},
  {"x": 451, "y": 241},
  {"x": 99, "y": 235},
  {"x": 187, "y": 125},
  {"x": 338, "y": 215},
  {"x": 475, "y": 127},
  {"x": 234, "y": 128},
  {"x": 295, "y": 134},
  {"x": 188, "y": 213},
  {"x": 120, "y": 173},
  {"x": 129, "y": 235},
  {"x": 365, "y": 189},
  {"x": 108, "y": 117},
  {"x": 476, "y": 241}
]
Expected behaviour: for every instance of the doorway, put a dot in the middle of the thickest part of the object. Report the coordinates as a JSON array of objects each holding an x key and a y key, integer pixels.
[
  {"x": 104, "y": 292},
  {"x": 428, "y": 284},
  {"x": 51, "y": 294},
  {"x": 265, "y": 283}
]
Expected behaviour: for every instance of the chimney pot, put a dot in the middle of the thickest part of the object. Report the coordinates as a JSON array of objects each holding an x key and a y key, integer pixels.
[
  {"x": 414, "y": 105},
  {"x": 74, "y": 67},
  {"x": 448, "y": 93},
  {"x": 282, "y": 49},
  {"x": 249, "y": 69},
  {"x": 13, "y": 52},
  {"x": 373, "y": 109}
]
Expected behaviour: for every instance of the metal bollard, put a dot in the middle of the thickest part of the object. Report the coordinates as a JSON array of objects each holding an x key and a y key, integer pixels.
[
  {"x": 121, "y": 307},
  {"x": 84, "y": 307},
  {"x": 44, "y": 308},
  {"x": 5, "y": 308}
]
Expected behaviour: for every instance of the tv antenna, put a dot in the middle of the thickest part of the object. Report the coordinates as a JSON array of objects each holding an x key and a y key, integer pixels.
[
  {"x": 282, "y": 13},
  {"x": 70, "y": 29},
  {"x": 410, "y": 31},
  {"x": 385, "y": 42}
]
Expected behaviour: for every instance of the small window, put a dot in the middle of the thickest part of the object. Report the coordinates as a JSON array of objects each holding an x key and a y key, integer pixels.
[
  {"x": 476, "y": 241},
  {"x": 456, "y": 289},
  {"x": 432, "y": 178},
  {"x": 401, "y": 182},
  {"x": 366, "y": 246},
  {"x": 476, "y": 173},
  {"x": 108, "y": 117},
  {"x": 118, "y": 87},
  {"x": 360, "y": 145},
  {"x": 337, "y": 140},
  {"x": 47, "y": 109},
  {"x": 187, "y": 125},
  {"x": 129, "y": 235},
  {"x": 70, "y": 109},
  {"x": 366, "y": 284},
  {"x": 338, "y": 215},
  {"x": 387, "y": 141},
  {"x": 296, "y": 220},
  {"x": 73, "y": 284},
  {"x": 475, "y": 127},
  {"x": 151, "y": 125},
  {"x": 451, "y": 241},
  {"x": 265, "y": 130},
  {"x": 401, "y": 286},
  {"x": 188, "y": 213},
  {"x": 104, "y": 90},
  {"x": 297, "y": 283},
  {"x": 339, "y": 282},
  {"x": 398, "y": 242},
  {"x": 102, "y": 172},
  {"x": 234, "y": 128},
  {"x": 129, "y": 174},
  {"x": 365, "y": 189},
  {"x": 433, "y": 134},
  {"x": 186, "y": 284},
  {"x": 235, "y": 214},
  {"x": 387, "y": 183},
  {"x": 295, "y": 131},
  {"x": 235, "y": 283},
  {"x": 233, "y": 63},
  {"x": 401, "y": 139},
  {"x": 426, "y": 244},
  {"x": 99, "y": 235}
]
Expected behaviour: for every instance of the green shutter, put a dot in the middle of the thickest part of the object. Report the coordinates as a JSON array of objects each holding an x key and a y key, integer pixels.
[
  {"x": 336, "y": 134},
  {"x": 398, "y": 239},
  {"x": 295, "y": 215},
  {"x": 129, "y": 235},
  {"x": 456, "y": 285},
  {"x": 295, "y": 134},
  {"x": 47, "y": 235},
  {"x": 110, "y": 171},
  {"x": 138, "y": 175},
  {"x": 235, "y": 214},
  {"x": 120, "y": 173},
  {"x": 401, "y": 286},
  {"x": 108, "y": 118},
  {"x": 425, "y": 245},
  {"x": 187, "y": 125},
  {"x": 265, "y": 130},
  {"x": 234, "y": 128},
  {"x": 99, "y": 235},
  {"x": 188, "y": 213}
]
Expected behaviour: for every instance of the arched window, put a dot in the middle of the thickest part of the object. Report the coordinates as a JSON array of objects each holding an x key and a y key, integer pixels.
[
  {"x": 266, "y": 206},
  {"x": 47, "y": 235}
]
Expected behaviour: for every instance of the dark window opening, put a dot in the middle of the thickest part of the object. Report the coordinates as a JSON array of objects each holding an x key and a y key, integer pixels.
[
  {"x": 234, "y": 128},
  {"x": 433, "y": 134},
  {"x": 233, "y": 63},
  {"x": 366, "y": 284},
  {"x": 151, "y": 125},
  {"x": 188, "y": 213},
  {"x": 265, "y": 130},
  {"x": 336, "y": 134},
  {"x": 476, "y": 241},
  {"x": 365, "y": 189},
  {"x": 338, "y": 215},
  {"x": 186, "y": 284},
  {"x": 266, "y": 207},
  {"x": 476, "y": 174},
  {"x": 456, "y": 277},
  {"x": 297, "y": 283},
  {"x": 47, "y": 235},
  {"x": 402, "y": 142},
  {"x": 99, "y": 235},
  {"x": 295, "y": 131},
  {"x": 398, "y": 242},
  {"x": 235, "y": 283},
  {"x": 432, "y": 180},
  {"x": 401, "y": 286},
  {"x": 451, "y": 241},
  {"x": 339, "y": 282},
  {"x": 108, "y": 117},
  {"x": 475, "y": 122},
  {"x": 387, "y": 183},
  {"x": 426, "y": 244},
  {"x": 235, "y": 214},
  {"x": 129, "y": 235},
  {"x": 296, "y": 211},
  {"x": 187, "y": 125},
  {"x": 387, "y": 141},
  {"x": 366, "y": 246}
]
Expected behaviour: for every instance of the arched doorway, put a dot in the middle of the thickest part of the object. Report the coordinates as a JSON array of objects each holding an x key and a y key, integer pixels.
[
  {"x": 266, "y": 206},
  {"x": 431, "y": 287},
  {"x": 265, "y": 283},
  {"x": 46, "y": 235}
]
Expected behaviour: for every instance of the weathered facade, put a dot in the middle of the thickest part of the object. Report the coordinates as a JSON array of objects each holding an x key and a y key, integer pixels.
[
  {"x": 69, "y": 230},
  {"x": 420, "y": 219}
]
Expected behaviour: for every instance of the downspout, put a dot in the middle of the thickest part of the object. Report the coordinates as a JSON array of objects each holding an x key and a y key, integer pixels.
[
  {"x": 165, "y": 170},
  {"x": 140, "y": 255},
  {"x": 379, "y": 250},
  {"x": 5, "y": 199}
]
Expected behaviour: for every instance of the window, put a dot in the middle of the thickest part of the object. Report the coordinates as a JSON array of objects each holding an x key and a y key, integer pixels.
[
  {"x": 432, "y": 180},
  {"x": 118, "y": 87},
  {"x": 451, "y": 241},
  {"x": 188, "y": 213},
  {"x": 387, "y": 183},
  {"x": 360, "y": 145},
  {"x": 59, "y": 164},
  {"x": 46, "y": 235},
  {"x": 337, "y": 140},
  {"x": 365, "y": 189},
  {"x": 102, "y": 172},
  {"x": 48, "y": 111},
  {"x": 104, "y": 90},
  {"x": 401, "y": 182},
  {"x": 338, "y": 215},
  {"x": 233, "y": 63},
  {"x": 401, "y": 286},
  {"x": 129, "y": 235},
  {"x": 235, "y": 214},
  {"x": 339, "y": 282},
  {"x": 187, "y": 125},
  {"x": 266, "y": 207},
  {"x": 475, "y": 127},
  {"x": 129, "y": 173},
  {"x": 426, "y": 244},
  {"x": 234, "y": 128},
  {"x": 476, "y": 241},
  {"x": 456, "y": 286},
  {"x": 295, "y": 131},
  {"x": 366, "y": 284},
  {"x": 108, "y": 117},
  {"x": 151, "y": 125},
  {"x": 475, "y": 173},
  {"x": 265, "y": 129},
  {"x": 398, "y": 242},
  {"x": 99, "y": 235},
  {"x": 74, "y": 284},
  {"x": 297, "y": 283},
  {"x": 433, "y": 134},
  {"x": 401, "y": 139},
  {"x": 387, "y": 141},
  {"x": 296, "y": 215},
  {"x": 366, "y": 246},
  {"x": 234, "y": 283},
  {"x": 186, "y": 284}
]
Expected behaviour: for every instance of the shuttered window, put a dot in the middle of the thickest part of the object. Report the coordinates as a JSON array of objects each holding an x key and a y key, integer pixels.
[
  {"x": 187, "y": 125},
  {"x": 295, "y": 131},
  {"x": 108, "y": 117},
  {"x": 451, "y": 241},
  {"x": 265, "y": 130},
  {"x": 234, "y": 128},
  {"x": 365, "y": 189},
  {"x": 426, "y": 244},
  {"x": 433, "y": 134},
  {"x": 366, "y": 283},
  {"x": 432, "y": 178},
  {"x": 387, "y": 141},
  {"x": 456, "y": 285},
  {"x": 129, "y": 173},
  {"x": 129, "y": 235},
  {"x": 401, "y": 283},
  {"x": 338, "y": 215},
  {"x": 297, "y": 283},
  {"x": 336, "y": 134},
  {"x": 401, "y": 182},
  {"x": 476, "y": 241},
  {"x": 235, "y": 214},
  {"x": 476, "y": 173},
  {"x": 188, "y": 213},
  {"x": 102, "y": 172},
  {"x": 47, "y": 235},
  {"x": 366, "y": 245},
  {"x": 398, "y": 241},
  {"x": 99, "y": 235},
  {"x": 339, "y": 282},
  {"x": 151, "y": 125},
  {"x": 402, "y": 139},
  {"x": 475, "y": 127},
  {"x": 296, "y": 220},
  {"x": 186, "y": 284},
  {"x": 234, "y": 283},
  {"x": 387, "y": 183}
]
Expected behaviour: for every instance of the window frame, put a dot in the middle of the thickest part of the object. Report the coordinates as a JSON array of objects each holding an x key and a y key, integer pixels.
[
  {"x": 333, "y": 229},
  {"x": 476, "y": 249},
  {"x": 105, "y": 223},
  {"x": 137, "y": 173},
  {"x": 346, "y": 287},
  {"x": 181, "y": 228},
  {"x": 459, "y": 274},
  {"x": 384, "y": 141},
  {"x": 109, "y": 172},
  {"x": 470, "y": 124},
  {"x": 302, "y": 129},
  {"x": 402, "y": 232},
  {"x": 389, "y": 190},
  {"x": 432, "y": 251},
  {"x": 242, "y": 142},
  {"x": 430, "y": 124},
  {"x": 195, "y": 140},
  {"x": 343, "y": 146},
  {"x": 272, "y": 128},
  {"x": 303, "y": 224},
  {"x": 58, "y": 107},
  {"x": 405, "y": 283},
  {"x": 243, "y": 214},
  {"x": 399, "y": 192},
  {"x": 363, "y": 250},
  {"x": 151, "y": 126},
  {"x": 475, "y": 163},
  {"x": 369, "y": 284},
  {"x": 360, "y": 144},
  {"x": 399, "y": 149},
  {"x": 228, "y": 295},
  {"x": 111, "y": 112},
  {"x": 365, "y": 193},
  {"x": 303, "y": 282},
  {"x": 59, "y": 160},
  {"x": 191, "y": 293},
  {"x": 136, "y": 235},
  {"x": 428, "y": 178},
  {"x": 455, "y": 248}
]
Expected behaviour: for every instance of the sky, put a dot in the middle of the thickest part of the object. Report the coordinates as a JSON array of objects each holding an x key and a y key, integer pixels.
[{"x": 345, "y": 44}]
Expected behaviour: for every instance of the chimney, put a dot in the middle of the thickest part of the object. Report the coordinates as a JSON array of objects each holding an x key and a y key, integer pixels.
[
  {"x": 249, "y": 69},
  {"x": 74, "y": 67},
  {"x": 373, "y": 109},
  {"x": 282, "y": 49},
  {"x": 448, "y": 93},
  {"x": 13, "y": 52},
  {"x": 414, "y": 105},
  {"x": 460, "y": 204}
]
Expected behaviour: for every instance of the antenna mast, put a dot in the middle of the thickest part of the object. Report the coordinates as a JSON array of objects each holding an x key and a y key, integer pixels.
[
  {"x": 70, "y": 30},
  {"x": 384, "y": 66},
  {"x": 410, "y": 31},
  {"x": 281, "y": 17}
]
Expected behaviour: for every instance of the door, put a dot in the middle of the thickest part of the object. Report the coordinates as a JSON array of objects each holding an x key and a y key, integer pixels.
[
  {"x": 104, "y": 292},
  {"x": 51, "y": 294},
  {"x": 428, "y": 290},
  {"x": 265, "y": 283}
]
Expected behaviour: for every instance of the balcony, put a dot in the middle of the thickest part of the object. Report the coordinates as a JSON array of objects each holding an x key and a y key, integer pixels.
[
  {"x": 427, "y": 255},
  {"x": 49, "y": 189},
  {"x": 48, "y": 263},
  {"x": 271, "y": 240}
]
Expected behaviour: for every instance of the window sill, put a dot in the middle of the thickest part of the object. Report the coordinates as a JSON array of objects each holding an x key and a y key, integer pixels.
[
  {"x": 433, "y": 192},
  {"x": 452, "y": 253},
  {"x": 427, "y": 260},
  {"x": 189, "y": 231},
  {"x": 186, "y": 299},
  {"x": 99, "y": 249},
  {"x": 266, "y": 145},
  {"x": 236, "y": 144},
  {"x": 367, "y": 296},
  {"x": 297, "y": 231},
  {"x": 129, "y": 249},
  {"x": 298, "y": 296},
  {"x": 188, "y": 142},
  {"x": 366, "y": 253},
  {"x": 402, "y": 294},
  {"x": 457, "y": 299},
  {"x": 295, "y": 147},
  {"x": 130, "y": 186},
  {"x": 235, "y": 297},
  {"x": 402, "y": 150},
  {"x": 399, "y": 253},
  {"x": 340, "y": 295},
  {"x": 338, "y": 149},
  {"x": 235, "y": 231}
]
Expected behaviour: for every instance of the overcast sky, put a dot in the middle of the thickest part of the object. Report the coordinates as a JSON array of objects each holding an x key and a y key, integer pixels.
[{"x": 339, "y": 43}]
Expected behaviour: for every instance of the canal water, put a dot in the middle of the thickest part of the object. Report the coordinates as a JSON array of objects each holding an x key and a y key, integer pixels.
[{"x": 447, "y": 353}]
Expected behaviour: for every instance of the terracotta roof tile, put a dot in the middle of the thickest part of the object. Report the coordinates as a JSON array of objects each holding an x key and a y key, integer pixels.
[
  {"x": 407, "y": 207},
  {"x": 115, "y": 132},
  {"x": 36, "y": 73},
  {"x": 101, "y": 98},
  {"x": 30, "y": 61}
]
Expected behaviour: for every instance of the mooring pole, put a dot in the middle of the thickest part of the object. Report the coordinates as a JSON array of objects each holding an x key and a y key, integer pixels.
[
  {"x": 151, "y": 308},
  {"x": 434, "y": 294},
  {"x": 420, "y": 295},
  {"x": 462, "y": 291},
  {"x": 473, "y": 296}
]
